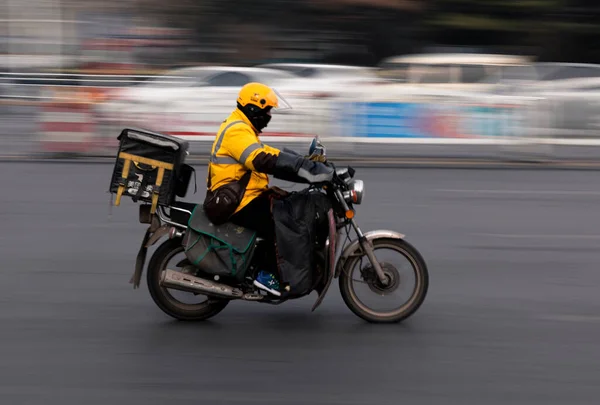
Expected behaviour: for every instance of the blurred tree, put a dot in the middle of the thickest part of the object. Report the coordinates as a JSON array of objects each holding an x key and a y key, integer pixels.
[
  {"x": 382, "y": 4},
  {"x": 340, "y": 31},
  {"x": 385, "y": 27},
  {"x": 365, "y": 31},
  {"x": 557, "y": 30}
]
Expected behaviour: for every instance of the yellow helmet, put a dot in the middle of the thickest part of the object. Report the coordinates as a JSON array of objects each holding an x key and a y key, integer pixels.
[
  {"x": 259, "y": 95},
  {"x": 256, "y": 100}
]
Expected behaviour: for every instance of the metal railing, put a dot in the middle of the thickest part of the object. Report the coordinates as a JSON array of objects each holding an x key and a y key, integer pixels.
[{"x": 45, "y": 113}]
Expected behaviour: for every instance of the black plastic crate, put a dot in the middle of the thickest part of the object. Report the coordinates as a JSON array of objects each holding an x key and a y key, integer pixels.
[{"x": 150, "y": 167}]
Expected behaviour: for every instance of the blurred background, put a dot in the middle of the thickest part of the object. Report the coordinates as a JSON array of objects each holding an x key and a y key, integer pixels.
[
  {"x": 511, "y": 76},
  {"x": 512, "y": 252}
]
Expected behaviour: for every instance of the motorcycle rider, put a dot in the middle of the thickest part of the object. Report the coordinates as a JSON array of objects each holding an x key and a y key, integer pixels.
[{"x": 238, "y": 149}]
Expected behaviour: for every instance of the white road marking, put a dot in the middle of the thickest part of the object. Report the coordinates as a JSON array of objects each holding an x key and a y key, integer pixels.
[
  {"x": 571, "y": 318},
  {"x": 520, "y": 192},
  {"x": 534, "y": 236},
  {"x": 414, "y": 141},
  {"x": 477, "y": 141}
]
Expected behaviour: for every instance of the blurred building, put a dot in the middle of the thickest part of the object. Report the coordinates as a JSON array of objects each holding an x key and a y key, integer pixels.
[
  {"x": 139, "y": 35},
  {"x": 90, "y": 33}
]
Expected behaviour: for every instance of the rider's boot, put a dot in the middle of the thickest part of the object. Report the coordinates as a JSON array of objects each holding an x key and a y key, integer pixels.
[{"x": 268, "y": 282}]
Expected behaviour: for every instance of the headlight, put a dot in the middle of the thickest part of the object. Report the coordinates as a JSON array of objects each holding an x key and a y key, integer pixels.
[{"x": 356, "y": 192}]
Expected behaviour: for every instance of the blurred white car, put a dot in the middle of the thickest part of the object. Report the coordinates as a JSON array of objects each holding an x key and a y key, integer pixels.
[
  {"x": 454, "y": 71},
  {"x": 569, "y": 99},
  {"x": 323, "y": 81},
  {"x": 180, "y": 83},
  {"x": 194, "y": 101},
  {"x": 566, "y": 72},
  {"x": 163, "y": 102},
  {"x": 324, "y": 71}
]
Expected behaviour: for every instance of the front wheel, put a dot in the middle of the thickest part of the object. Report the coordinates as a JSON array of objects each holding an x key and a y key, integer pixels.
[
  {"x": 358, "y": 272},
  {"x": 172, "y": 302}
]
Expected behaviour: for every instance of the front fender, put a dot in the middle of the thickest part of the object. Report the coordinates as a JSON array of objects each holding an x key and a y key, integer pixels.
[{"x": 354, "y": 246}]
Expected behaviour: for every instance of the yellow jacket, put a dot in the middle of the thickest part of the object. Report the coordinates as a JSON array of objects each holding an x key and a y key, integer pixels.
[{"x": 236, "y": 149}]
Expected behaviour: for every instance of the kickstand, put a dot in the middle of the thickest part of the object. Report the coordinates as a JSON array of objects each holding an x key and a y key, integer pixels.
[{"x": 110, "y": 207}]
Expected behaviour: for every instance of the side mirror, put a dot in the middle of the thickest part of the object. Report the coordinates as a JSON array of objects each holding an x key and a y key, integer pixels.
[
  {"x": 313, "y": 146},
  {"x": 317, "y": 151}
]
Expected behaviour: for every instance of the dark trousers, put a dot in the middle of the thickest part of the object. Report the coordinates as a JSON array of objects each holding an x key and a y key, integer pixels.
[{"x": 257, "y": 216}]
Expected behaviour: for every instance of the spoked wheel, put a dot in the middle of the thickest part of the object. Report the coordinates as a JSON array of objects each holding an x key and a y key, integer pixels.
[
  {"x": 180, "y": 305},
  {"x": 403, "y": 294}
]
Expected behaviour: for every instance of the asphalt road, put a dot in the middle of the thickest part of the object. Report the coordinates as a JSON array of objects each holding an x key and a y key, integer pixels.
[{"x": 512, "y": 314}]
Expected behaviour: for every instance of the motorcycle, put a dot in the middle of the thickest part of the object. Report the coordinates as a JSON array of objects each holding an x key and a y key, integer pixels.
[{"x": 167, "y": 277}]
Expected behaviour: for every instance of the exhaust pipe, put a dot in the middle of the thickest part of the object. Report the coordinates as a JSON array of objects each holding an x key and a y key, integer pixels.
[{"x": 188, "y": 283}]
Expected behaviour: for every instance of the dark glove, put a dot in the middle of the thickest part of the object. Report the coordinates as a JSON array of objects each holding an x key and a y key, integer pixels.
[{"x": 295, "y": 168}]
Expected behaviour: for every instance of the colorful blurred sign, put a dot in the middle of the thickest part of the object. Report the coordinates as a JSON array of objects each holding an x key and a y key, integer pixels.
[{"x": 426, "y": 120}]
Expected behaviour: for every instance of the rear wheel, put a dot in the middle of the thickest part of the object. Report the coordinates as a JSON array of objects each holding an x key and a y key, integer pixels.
[
  {"x": 406, "y": 263},
  {"x": 172, "y": 302}
]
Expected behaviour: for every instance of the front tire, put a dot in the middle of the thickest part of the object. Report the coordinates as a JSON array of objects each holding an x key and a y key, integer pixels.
[
  {"x": 164, "y": 300},
  {"x": 417, "y": 298}
]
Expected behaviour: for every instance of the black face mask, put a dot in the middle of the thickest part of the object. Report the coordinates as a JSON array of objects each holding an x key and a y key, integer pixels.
[
  {"x": 259, "y": 118},
  {"x": 261, "y": 122}
]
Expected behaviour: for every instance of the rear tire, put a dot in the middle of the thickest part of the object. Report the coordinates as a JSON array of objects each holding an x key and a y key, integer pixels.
[
  {"x": 173, "y": 308},
  {"x": 419, "y": 268}
]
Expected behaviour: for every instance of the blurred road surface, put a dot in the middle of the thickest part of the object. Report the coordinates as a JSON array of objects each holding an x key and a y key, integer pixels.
[
  {"x": 513, "y": 313},
  {"x": 18, "y": 130}
]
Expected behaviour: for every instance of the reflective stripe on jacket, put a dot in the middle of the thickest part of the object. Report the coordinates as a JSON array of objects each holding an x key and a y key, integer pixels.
[{"x": 239, "y": 149}]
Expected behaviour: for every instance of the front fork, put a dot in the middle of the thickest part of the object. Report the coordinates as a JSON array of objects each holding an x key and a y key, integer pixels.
[
  {"x": 365, "y": 243},
  {"x": 368, "y": 248}
]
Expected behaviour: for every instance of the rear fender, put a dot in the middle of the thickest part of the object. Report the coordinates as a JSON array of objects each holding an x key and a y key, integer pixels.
[
  {"x": 154, "y": 233},
  {"x": 157, "y": 235},
  {"x": 354, "y": 247}
]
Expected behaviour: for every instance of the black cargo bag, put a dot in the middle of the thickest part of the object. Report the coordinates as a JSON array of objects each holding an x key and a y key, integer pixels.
[
  {"x": 219, "y": 250},
  {"x": 150, "y": 167},
  {"x": 301, "y": 228}
]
